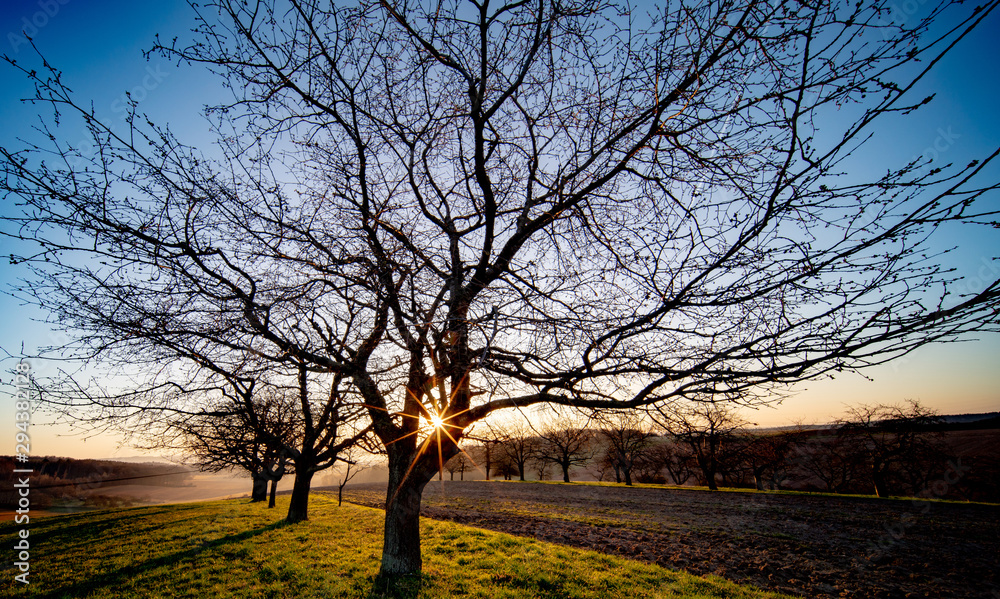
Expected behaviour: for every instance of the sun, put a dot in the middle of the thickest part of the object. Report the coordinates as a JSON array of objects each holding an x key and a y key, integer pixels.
[{"x": 436, "y": 421}]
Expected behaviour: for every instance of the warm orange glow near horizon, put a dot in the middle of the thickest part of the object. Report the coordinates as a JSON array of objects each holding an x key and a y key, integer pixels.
[{"x": 956, "y": 378}]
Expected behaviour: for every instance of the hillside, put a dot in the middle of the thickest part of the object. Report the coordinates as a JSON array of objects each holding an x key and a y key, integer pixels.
[
  {"x": 236, "y": 549},
  {"x": 67, "y": 485}
]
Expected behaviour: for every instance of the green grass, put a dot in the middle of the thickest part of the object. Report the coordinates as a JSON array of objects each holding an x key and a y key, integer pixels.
[{"x": 237, "y": 549}]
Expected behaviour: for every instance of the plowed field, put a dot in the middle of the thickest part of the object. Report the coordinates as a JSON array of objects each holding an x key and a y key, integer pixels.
[{"x": 808, "y": 545}]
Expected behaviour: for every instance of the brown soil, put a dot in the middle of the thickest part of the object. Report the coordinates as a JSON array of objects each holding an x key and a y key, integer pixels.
[{"x": 811, "y": 546}]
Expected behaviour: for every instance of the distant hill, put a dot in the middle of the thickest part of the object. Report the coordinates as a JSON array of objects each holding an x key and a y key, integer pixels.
[
  {"x": 985, "y": 421},
  {"x": 147, "y": 459},
  {"x": 989, "y": 417},
  {"x": 58, "y": 481}
]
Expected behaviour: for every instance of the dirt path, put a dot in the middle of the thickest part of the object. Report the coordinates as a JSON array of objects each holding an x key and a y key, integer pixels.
[{"x": 812, "y": 546}]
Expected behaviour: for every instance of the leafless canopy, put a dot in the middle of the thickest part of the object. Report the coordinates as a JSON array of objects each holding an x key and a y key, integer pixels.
[{"x": 459, "y": 207}]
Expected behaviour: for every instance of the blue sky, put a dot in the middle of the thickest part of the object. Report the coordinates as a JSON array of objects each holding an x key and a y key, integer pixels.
[{"x": 98, "y": 45}]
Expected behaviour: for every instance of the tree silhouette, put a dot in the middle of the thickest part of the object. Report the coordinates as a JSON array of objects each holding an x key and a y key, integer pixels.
[
  {"x": 455, "y": 209},
  {"x": 248, "y": 440},
  {"x": 518, "y": 444},
  {"x": 627, "y": 438},
  {"x": 458, "y": 463},
  {"x": 565, "y": 441},
  {"x": 709, "y": 431},
  {"x": 889, "y": 437}
]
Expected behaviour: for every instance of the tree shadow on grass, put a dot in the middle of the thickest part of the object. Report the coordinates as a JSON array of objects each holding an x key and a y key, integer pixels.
[
  {"x": 397, "y": 587},
  {"x": 127, "y": 574},
  {"x": 70, "y": 534}
]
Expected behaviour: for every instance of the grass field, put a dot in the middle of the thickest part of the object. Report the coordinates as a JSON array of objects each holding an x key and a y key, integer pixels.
[{"x": 236, "y": 549}]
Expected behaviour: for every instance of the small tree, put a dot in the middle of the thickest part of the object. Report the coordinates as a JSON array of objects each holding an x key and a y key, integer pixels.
[
  {"x": 540, "y": 466},
  {"x": 627, "y": 438},
  {"x": 708, "y": 430},
  {"x": 764, "y": 455},
  {"x": 484, "y": 453},
  {"x": 517, "y": 445},
  {"x": 567, "y": 442},
  {"x": 604, "y": 463},
  {"x": 672, "y": 457},
  {"x": 504, "y": 466},
  {"x": 891, "y": 436},
  {"x": 252, "y": 438},
  {"x": 834, "y": 459},
  {"x": 459, "y": 463},
  {"x": 352, "y": 467}
]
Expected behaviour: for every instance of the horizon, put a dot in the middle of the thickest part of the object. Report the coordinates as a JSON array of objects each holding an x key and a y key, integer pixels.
[{"x": 167, "y": 459}]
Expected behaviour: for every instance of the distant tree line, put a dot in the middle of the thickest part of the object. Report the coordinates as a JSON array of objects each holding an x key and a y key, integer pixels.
[{"x": 885, "y": 450}]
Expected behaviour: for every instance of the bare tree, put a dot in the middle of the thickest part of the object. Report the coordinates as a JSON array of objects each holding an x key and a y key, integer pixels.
[
  {"x": 494, "y": 206},
  {"x": 242, "y": 440},
  {"x": 565, "y": 441},
  {"x": 503, "y": 465},
  {"x": 458, "y": 463},
  {"x": 709, "y": 431},
  {"x": 765, "y": 455},
  {"x": 228, "y": 412},
  {"x": 487, "y": 446},
  {"x": 834, "y": 459},
  {"x": 352, "y": 467},
  {"x": 890, "y": 436},
  {"x": 517, "y": 445},
  {"x": 603, "y": 464},
  {"x": 627, "y": 436},
  {"x": 678, "y": 462},
  {"x": 541, "y": 467}
]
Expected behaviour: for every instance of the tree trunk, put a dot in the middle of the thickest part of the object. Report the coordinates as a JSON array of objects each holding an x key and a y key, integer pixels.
[
  {"x": 401, "y": 541},
  {"x": 881, "y": 485},
  {"x": 274, "y": 489},
  {"x": 259, "y": 491},
  {"x": 628, "y": 476},
  {"x": 298, "y": 507},
  {"x": 710, "y": 478},
  {"x": 708, "y": 468},
  {"x": 565, "y": 469}
]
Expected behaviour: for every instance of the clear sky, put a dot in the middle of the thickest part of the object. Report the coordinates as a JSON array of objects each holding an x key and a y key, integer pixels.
[{"x": 98, "y": 45}]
